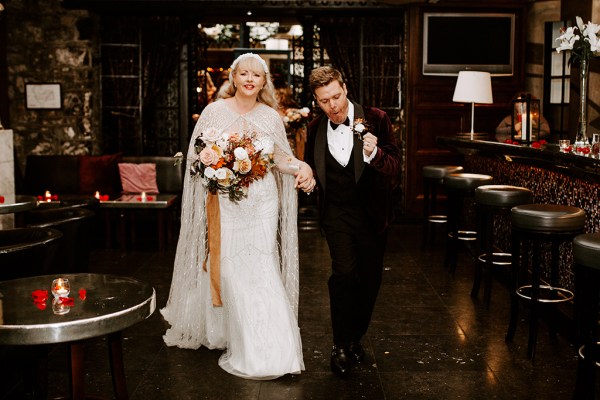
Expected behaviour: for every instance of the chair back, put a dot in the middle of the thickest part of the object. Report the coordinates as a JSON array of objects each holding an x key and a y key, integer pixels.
[
  {"x": 27, "y": 251},
  {"x": 76, "y": 225}
]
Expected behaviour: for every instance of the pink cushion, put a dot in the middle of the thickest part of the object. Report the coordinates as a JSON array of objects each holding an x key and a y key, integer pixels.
[
  {"x": 137, "y": 178},
  {"x": 99, "y": 173}
]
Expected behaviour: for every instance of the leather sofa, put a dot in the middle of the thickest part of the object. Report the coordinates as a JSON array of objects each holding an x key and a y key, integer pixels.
[{"x": 84, "y": 175}]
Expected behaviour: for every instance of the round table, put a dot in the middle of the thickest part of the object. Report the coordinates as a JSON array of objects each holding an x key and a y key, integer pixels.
[
  {"x": 21, "y": 203},
  {"x": 102, "y": 305}
]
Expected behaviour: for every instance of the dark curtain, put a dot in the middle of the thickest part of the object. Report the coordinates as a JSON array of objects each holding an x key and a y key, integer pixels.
[
  {"x": 368, "y": 53},
  {"x": 340, "y": 37},
  {"x": 161, "y": 47}
]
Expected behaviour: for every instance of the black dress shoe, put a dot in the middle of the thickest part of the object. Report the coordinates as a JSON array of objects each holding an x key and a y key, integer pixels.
[
  {"x": 340, "y": 362},
  {"x": 356, "y": 352}
]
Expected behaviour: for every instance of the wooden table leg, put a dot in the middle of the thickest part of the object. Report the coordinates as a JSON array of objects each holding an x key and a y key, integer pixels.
[
  {"x": 117, "y": 369},
  {"x": 122, "y": 229},
  {"x": 76, "y": 370},
  {"x": 161, "y": 230}
]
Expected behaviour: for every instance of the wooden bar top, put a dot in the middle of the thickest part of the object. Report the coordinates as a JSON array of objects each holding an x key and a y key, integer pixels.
[{"x": 548, "y": 156}]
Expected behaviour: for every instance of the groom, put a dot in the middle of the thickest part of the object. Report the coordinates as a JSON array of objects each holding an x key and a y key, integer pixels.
[{"x": 353, "y": 154}]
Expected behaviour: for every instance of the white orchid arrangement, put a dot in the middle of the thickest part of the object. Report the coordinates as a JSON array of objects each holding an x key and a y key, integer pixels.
[{"x": 582, "y": 40}]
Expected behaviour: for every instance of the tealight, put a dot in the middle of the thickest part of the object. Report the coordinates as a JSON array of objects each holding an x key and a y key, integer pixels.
[{"x": 61, "y": 287}]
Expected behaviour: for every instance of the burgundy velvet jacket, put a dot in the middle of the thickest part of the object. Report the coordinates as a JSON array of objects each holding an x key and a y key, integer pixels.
[{"x": 376, "y": 180}]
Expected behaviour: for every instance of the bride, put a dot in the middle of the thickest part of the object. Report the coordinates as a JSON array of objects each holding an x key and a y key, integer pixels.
[{"x": 246, "y": 299}]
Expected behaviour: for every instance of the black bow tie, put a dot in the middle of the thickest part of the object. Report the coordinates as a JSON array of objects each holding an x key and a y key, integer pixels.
[{"x": 334, "y": 125}]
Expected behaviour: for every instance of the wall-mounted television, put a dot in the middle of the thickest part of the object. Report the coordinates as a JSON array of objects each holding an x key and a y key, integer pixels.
[{"x": 454, "y": 42}]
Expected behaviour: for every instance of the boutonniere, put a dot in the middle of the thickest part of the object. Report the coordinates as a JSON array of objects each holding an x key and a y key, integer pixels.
[{"x": 360, "y": 127}]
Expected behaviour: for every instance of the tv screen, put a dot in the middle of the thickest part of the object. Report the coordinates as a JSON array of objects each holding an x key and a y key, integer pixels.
[{"x": 454, "y": 42}]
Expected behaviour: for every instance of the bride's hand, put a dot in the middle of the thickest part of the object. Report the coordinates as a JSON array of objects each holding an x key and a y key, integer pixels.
[{"x": 304, "y": 178}]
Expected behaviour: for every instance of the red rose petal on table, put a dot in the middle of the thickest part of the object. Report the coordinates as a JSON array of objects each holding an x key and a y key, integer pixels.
[
  {"x": 514, "y": 142},
  {"x": 67, "y": 301},
  {"x": 543, "y": 141},
  {"x": 536, "y": 145},
  {"x": 40, "y": 305},
  {"x": 39, "y": 295},
  {"x": 509, "y": 141},
  {"x": 82, "y": 294},
  {"x": 1, "y": 199}
]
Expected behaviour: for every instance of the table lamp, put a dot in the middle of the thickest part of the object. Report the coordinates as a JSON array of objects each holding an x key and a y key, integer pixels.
[{"x": 473, "y": 87}]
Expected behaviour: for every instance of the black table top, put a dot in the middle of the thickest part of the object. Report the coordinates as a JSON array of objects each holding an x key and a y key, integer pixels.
[{"x": 110, "y": 304}]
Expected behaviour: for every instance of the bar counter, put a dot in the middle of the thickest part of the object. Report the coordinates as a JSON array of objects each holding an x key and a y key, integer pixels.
[{"x": 553, "y": 177}]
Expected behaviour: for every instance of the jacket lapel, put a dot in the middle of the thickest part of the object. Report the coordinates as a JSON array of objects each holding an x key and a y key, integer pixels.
[
  {"x": 320, "y": 149},
  {"x": 357, "y": 150}
]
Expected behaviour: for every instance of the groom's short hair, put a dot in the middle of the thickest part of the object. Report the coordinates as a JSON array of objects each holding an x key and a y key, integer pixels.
[{"x": 323, "y": 76}]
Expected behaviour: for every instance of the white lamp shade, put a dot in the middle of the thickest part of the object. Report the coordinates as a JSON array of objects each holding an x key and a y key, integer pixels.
[{"x": 473, "y": 87}]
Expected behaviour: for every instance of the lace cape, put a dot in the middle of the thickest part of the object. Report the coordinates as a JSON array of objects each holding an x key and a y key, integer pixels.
[{"x": 185, "y": 309}]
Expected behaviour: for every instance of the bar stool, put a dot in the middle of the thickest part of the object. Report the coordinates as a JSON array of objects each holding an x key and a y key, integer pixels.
[
  {"x": 492, "y": 201},
  {"x": 433, "y": 177},
  {"x": 459, "y": 187},
  {"x": 538, "y": 224},
  {"x": 586, "y": 257}
]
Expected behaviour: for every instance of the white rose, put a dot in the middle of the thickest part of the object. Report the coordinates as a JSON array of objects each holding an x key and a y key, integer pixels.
[
  {"x": 221, "y": 173},
  {"x": 209, "y": 172},
  {"x": 359, "y": 128},
  {"x": 211, "y": 135},
  {"x": 304, "y": 111},
  {"x": 240, "y": 153}
]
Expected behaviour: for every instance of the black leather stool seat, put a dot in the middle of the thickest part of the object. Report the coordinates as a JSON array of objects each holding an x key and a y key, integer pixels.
[
  {"x": 502, "y": 195},
  {"x": 491, "y": 201},
  {"x": 536, "y": 224},
  {"x": 586, "y": 250},
  {"x": 440, "y": 171},
  {"x": 586, "y": 256},
  {"x": 459, "y": 187},
  {"x": 548, "y": 217},
  {"x": 433, "y": 176},
  {"x": 466, "y": 181}
]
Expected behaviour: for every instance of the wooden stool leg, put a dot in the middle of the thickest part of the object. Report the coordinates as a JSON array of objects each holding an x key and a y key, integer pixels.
[
  {"x": 117, "y": 369},
  {"x": 514, "y": 284},
  {"x": 76, "y": 370},
  {"x": 535, "y": 295}
]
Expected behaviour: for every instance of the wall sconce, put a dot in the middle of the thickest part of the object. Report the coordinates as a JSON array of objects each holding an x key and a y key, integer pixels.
[
  {"x": 525, "y": 119},
  {"x": 473, "y": 87}
]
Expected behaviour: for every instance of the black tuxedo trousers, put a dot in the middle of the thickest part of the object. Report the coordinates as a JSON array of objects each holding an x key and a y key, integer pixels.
[{"x": 357, "y": 264}]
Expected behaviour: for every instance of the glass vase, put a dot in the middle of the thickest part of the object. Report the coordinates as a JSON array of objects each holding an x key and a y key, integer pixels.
[{"x": 582, "y": 138}]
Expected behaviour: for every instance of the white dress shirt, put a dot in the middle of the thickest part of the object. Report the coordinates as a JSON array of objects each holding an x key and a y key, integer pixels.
[{"x": 340, "y": 140}]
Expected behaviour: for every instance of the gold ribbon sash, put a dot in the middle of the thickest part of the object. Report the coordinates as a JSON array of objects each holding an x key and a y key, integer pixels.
[{"x": 213, "y": 221}]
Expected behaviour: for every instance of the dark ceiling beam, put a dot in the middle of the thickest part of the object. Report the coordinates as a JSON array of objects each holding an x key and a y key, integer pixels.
[{"x": 235, "y": 9}]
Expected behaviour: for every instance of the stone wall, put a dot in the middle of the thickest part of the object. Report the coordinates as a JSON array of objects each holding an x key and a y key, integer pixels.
[{"x": 49, "y": 44}]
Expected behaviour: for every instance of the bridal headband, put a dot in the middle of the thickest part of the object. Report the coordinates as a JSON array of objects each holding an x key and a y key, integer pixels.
[{"x": 250, "y": 55}]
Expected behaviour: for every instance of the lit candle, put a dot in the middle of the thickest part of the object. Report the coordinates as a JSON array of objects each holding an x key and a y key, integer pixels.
[
  {"x": 97, "y": 195},
  {"x": 524, "y": 126},
  {"x": 144, "y": 198},
  {"x": 48, "y": 196}
]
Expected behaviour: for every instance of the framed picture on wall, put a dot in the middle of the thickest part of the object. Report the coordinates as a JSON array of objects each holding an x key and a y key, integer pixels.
[{"x": 43, "y": 96}]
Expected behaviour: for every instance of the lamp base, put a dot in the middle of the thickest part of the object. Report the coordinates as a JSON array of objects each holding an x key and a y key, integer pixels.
[{"x": 476, "y": 135}]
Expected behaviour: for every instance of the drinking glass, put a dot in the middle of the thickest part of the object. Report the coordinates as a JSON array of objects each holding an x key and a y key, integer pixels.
[{"x": 61, "y": 287}]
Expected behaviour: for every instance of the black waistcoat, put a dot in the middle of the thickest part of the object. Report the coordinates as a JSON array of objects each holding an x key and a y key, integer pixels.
[{"x": 341, "y": 184}]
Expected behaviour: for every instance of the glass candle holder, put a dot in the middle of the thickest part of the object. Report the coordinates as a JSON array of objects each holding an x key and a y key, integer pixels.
[{"x": 60, "y": 287}]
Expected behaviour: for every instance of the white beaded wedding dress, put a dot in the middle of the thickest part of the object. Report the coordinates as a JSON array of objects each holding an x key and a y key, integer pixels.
[{"x": 257, "y": 324}]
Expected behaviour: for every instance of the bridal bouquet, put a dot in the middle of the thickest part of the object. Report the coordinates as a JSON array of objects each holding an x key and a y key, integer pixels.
[{"x": 229, "y": 163}]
